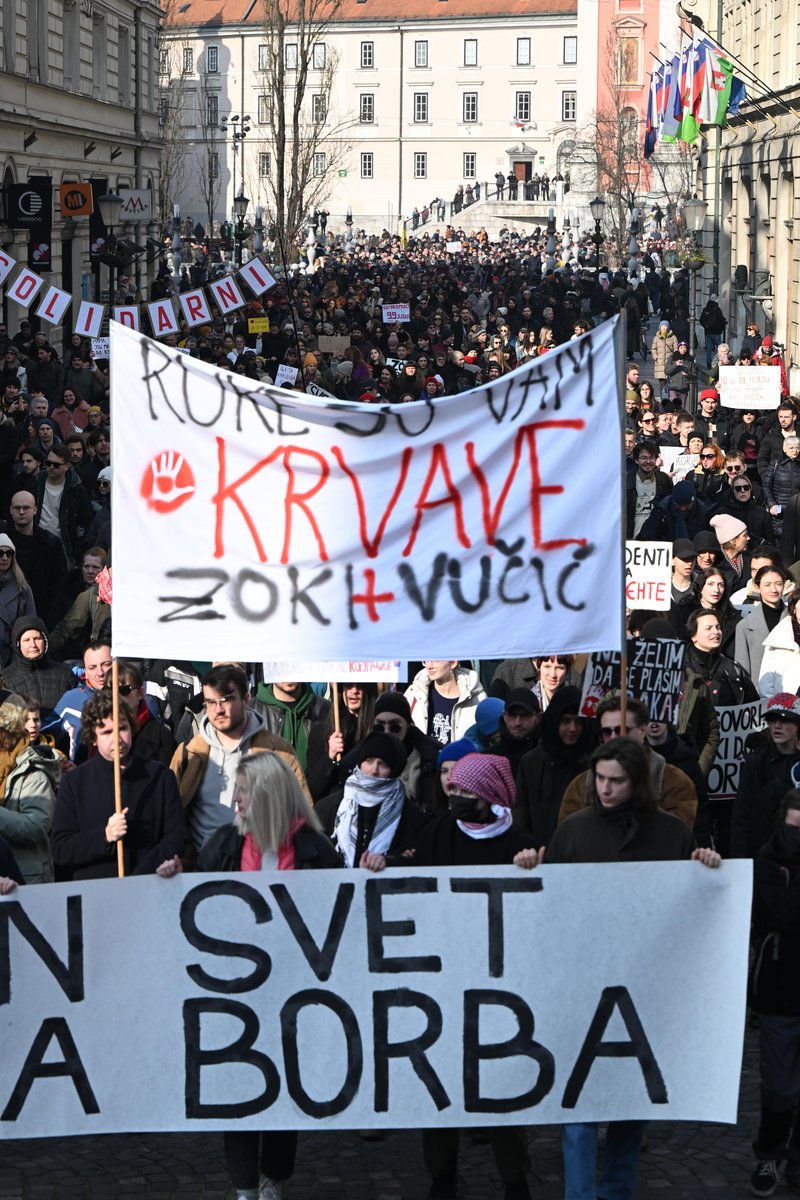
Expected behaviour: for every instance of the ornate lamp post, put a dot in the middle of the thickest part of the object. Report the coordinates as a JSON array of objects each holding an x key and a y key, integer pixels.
[
  {"x": 597, "y": 208},
  {"x": 349, "y": 240},
  {"x": 110, "y": 206},
  {"x": 240, "y": 204}
]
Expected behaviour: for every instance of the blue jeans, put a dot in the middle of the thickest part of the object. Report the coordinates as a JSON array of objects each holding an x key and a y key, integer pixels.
[
  {"x": 712, "y": 341},
  {"x": 618, "y": 1177}
]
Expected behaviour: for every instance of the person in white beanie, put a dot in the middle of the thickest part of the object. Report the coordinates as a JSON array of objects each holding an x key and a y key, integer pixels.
[{"x": 733, "y": 537}]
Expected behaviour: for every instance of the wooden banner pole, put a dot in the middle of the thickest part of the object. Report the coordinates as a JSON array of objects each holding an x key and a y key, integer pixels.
[
  {"x": 117, "y": 765},
  {"x": 336, "y": 725}
]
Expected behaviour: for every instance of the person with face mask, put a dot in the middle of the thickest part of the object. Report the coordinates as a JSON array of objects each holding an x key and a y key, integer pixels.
[
  {"x": 478, "y": 831},
  {"x": 565, "y": 742}
]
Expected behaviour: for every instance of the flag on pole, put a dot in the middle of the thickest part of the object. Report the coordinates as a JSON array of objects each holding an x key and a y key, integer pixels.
[
  {"x": 651, "y": 121},
  {"x": 691, "y": 92},
  {"x": 670, "y": 120}
]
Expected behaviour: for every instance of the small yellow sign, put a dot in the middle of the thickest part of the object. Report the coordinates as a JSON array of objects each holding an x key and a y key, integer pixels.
[{"x": 258, "y": 325}]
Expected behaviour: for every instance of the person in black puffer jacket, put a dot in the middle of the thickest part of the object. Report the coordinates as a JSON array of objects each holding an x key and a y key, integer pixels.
[
  {"x": 33, "y": 672},
  {"x": 781, "y": 481},
  {"x": 565, "y": 743},
  {"x": 774, "y": 993}
]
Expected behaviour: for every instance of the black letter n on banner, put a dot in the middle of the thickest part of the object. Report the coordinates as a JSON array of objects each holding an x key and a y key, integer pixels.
[
  {"x": 522, "y": 1045},
  {"x": 594, "y": 1047},
  {"x": 69, "y": 975}
]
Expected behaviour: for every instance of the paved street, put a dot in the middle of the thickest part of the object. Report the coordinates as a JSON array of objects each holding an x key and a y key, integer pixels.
[{"x": 687, "y": 1161}]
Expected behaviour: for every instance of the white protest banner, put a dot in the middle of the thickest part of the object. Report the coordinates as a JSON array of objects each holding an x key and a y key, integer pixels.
[
  {"x": 25, "y": 288},
  {"x": 162, "y": 317},
  {"x": 339, "y": 999},
  {"x": 255, "y": 522},
  {"x": 329, "y": 344},
  {"x": 285, "y": 374},
  {"x": 396, "y": 312},
  {"x": 313, "y": 389},
  {"x": 735, "y": 723},
  {"x": 683, "y": 465},
  {"x": 89, "y": 319},
  {"x": 648, "y": 572},
  {"x": 127, "y": 314},
  {"x": 655, "y": 676},
  {"x": 195, "y": 307},
  {"x": 453, "y": 247},
  {"x": 101, "y": 347},
  {"x": 750, "y": 387},
  {"x": 372, "y": 671},
  {"x": 53, "y": 305}
]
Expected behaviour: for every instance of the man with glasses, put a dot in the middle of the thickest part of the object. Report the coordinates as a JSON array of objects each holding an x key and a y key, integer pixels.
[
  {"x": 63, "y": 502},
  {"x": 673, "y": 788},
  {"x": 206, "y": 766},
  {"x": 646, "y": 486},
  {"x": 40, "y": 555}
]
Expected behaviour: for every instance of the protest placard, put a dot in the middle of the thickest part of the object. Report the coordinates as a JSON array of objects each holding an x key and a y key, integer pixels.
[
  {"x": 648, "y": 575},
  {"x": 313, "y": 389},
  {"x": 250, "y": 521},
  {"x": 365, "y": 671},
  {"x": 683, "y": 465},
  {"x": 258, "y": 324},
  {"x": 735, "y": 723},
  {"x": 750, "y": 387},
  {"x": 101, "y": 347},
  {"x": 285, "y": 374},
  {"x": 316, "y": 1000},
  {"x": 668, "y": 455},
  {"x": 329, "y": 344},
  {"x": 396, "y": 312},
  {"x": 655, "y": 676}
]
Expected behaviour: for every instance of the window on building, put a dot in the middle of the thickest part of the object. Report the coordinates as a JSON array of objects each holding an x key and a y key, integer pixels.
[
  {"x": 188, "y": 60},
  {"x": 569, "y": 106},
  {"x": 420, "y": 54},
  {"x": 291, "y": 56},
  {"x": 367, "y": 165},
  {"x": 124, "y": 65},
  {"x": 320, "y": 163},
  {"x": 264, "y": 164},
  {"x": 36, "y": 40},
  {"x": 263, "y": 57},
  {"x": 522, "y": 106},
  {"x": 9, "y": 19},
  {"x": 367, "y": 54},
  {"x": 420, "y": 166},
  {"x": 366, "y": 108},
  {"x": 212, "y": 111},
  {"x": 163, "y": 62},
  {"x": 470, "y": 52},
  {"x": 163, "y": 110},
  {"x": 470, "y": 106},
  {"x": 470, "y": 164},
  {"x": 213, "y": 164},
  {"x": 212, "y": 60},
  {"x": 420, "y": 107},
  {"x": 150, "y": 58},
  {"x": 629, "y": 61},
  {"x": 318, "y": 56},
  {"x": 264, "y": 110},
  {"x": 523, "y": 52},
  {"x": 318, "y": 109},
  {"x": 570, "y": 50},
  {"x": 99, "y": 53}
]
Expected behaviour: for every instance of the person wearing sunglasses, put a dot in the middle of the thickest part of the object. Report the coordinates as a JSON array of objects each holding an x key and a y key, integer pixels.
[
  {"x": 63, "y": 502},
  {"x": 154, "y": 741},
  {"x": 16, "y": 597},
  {"x": 675, "y": 792},
  {"x": 739, "y": 499},
  {"x": 709, "y": 476}
]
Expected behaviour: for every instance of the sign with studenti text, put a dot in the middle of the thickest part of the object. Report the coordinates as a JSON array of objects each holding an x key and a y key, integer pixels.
[
  {"x": 256, "y": 522},
  {"x": 341, "y": 999}
]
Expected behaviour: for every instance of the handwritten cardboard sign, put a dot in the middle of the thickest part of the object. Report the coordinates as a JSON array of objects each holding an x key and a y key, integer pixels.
[
  {"x": 750, "y": 387},
  {"x": 648, "y": 574},
  {"x": 655, "y": 676},
  {"x": 396, "y": 312}
]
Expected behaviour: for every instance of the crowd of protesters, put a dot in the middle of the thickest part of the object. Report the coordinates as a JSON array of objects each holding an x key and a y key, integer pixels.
[{"x": 469, "y": 763}]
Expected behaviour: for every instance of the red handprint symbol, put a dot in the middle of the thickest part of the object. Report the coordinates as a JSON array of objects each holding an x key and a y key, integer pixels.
[{"x": 168, "y": 482}]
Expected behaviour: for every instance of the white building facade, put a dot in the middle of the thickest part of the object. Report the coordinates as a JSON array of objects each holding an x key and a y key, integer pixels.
[
  {"x": 448, "y": 92},
  {"x": 79, "y": 88}
]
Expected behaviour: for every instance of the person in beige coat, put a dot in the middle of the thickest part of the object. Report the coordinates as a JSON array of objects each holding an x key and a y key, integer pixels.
[{"x": 662, "y": 347}]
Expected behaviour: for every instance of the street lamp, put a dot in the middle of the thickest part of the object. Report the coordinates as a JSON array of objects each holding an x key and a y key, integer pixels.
[
  {"x": 694, "y": 214},
  {"x": 349, "y": 241},
  {"x": 597, "y": 208},
  {"x": 110, "y": 206},
  {"x": 240, "y": 203},
  {"x": 238, "y": 126}
]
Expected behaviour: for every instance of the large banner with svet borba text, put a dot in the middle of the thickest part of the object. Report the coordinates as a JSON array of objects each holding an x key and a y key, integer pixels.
[
  {"x": 342, "y": 999},
  {"x": 251, "y": 522}
]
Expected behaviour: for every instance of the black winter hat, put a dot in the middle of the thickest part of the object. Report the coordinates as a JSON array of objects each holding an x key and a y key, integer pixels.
[
  {"x": 385, "y": 746},
  {"x": 393, "y": 702}
]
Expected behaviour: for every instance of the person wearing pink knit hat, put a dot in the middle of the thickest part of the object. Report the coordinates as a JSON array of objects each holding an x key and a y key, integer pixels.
[{"x": 733, "y": 537}]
